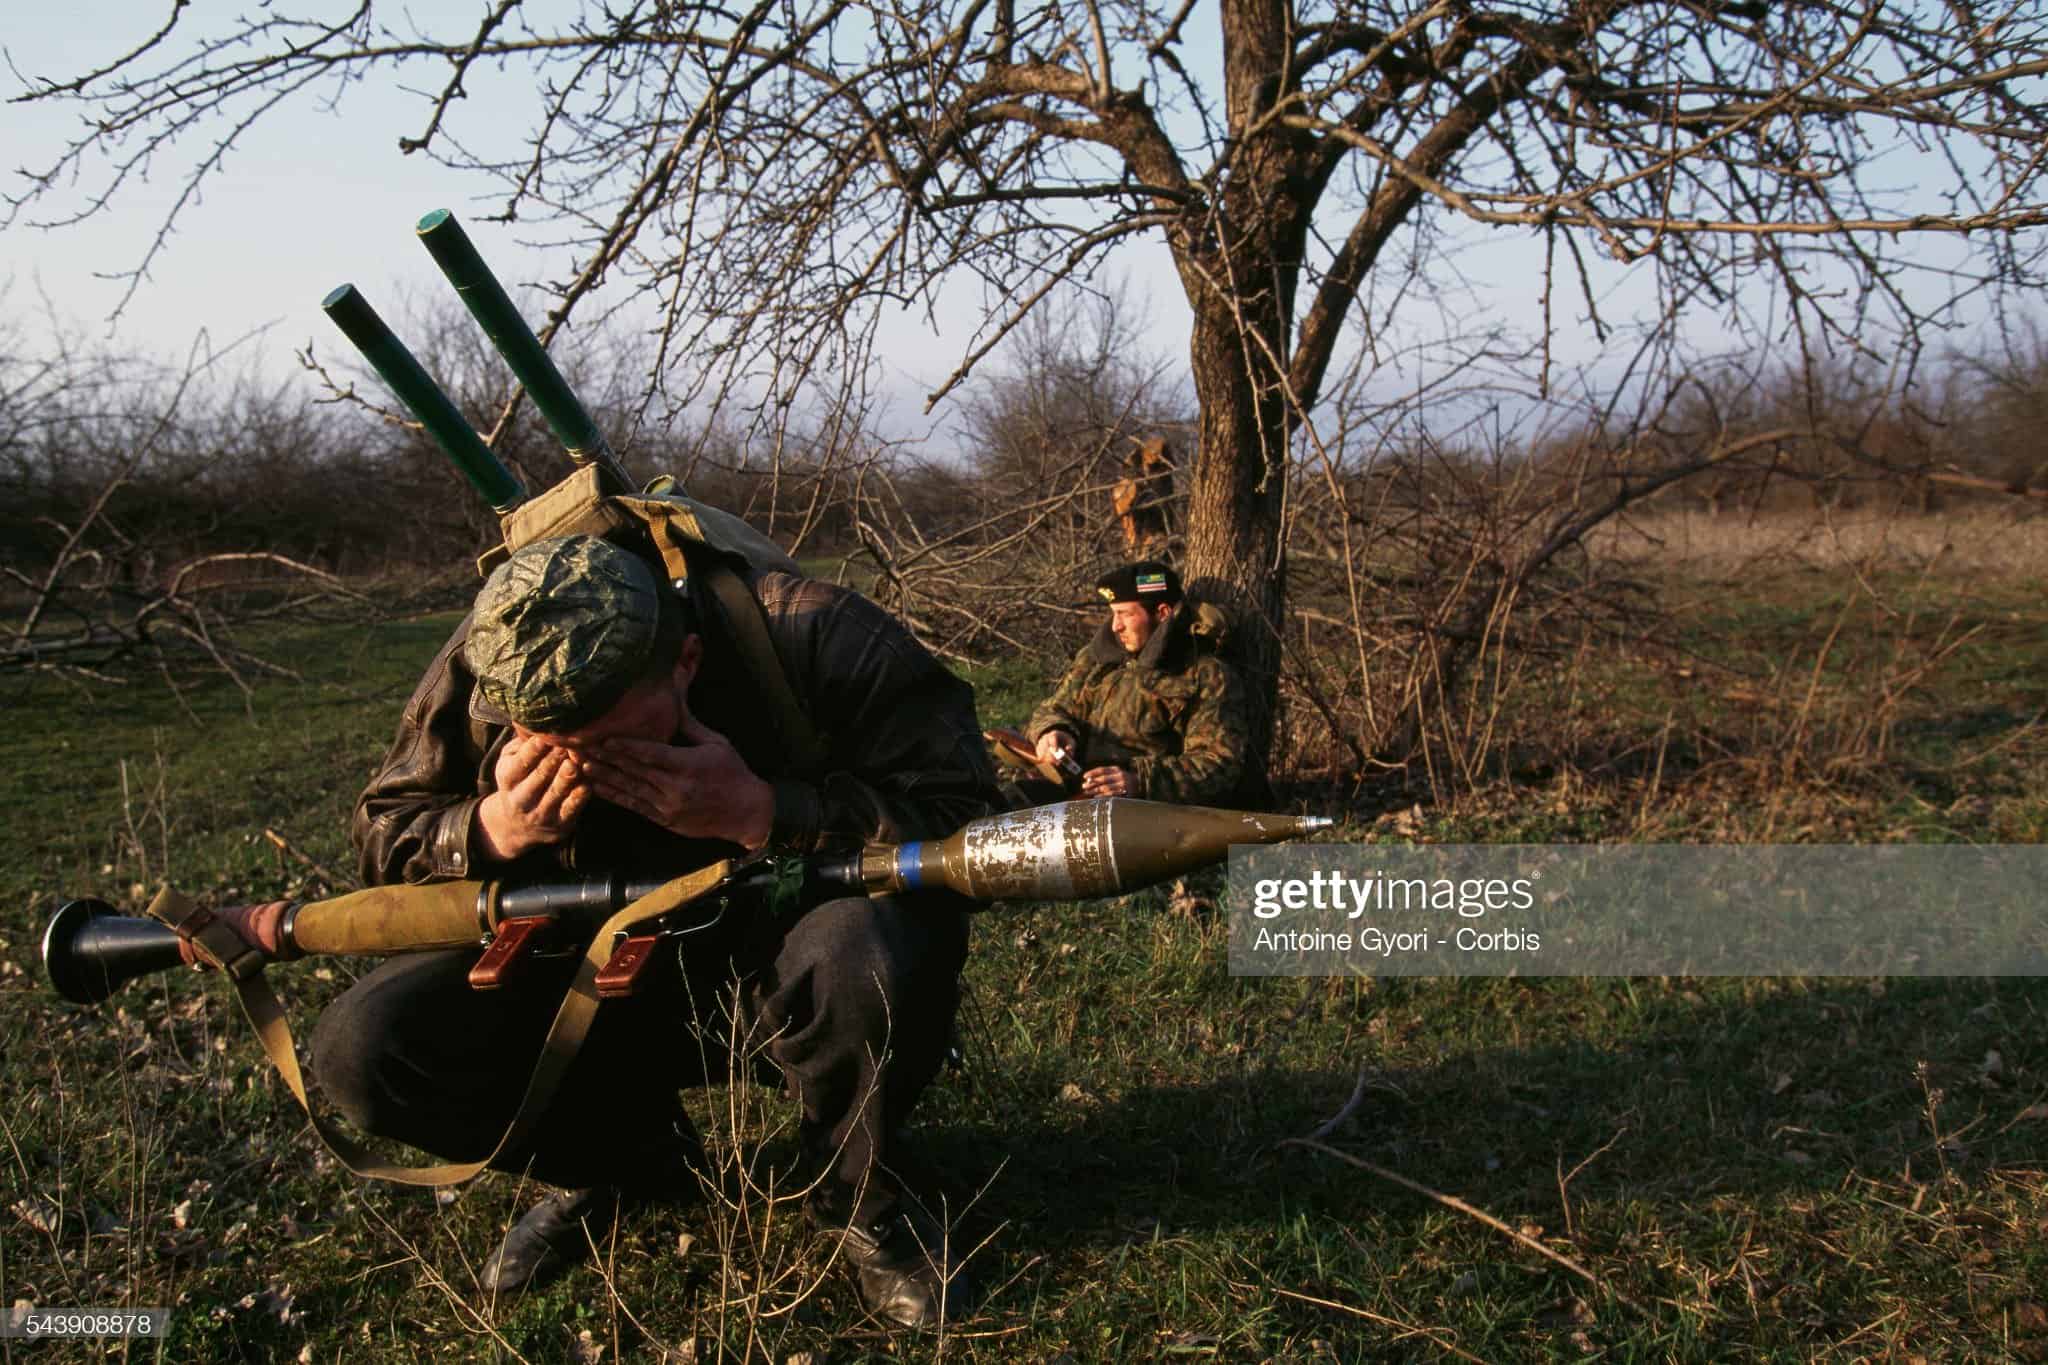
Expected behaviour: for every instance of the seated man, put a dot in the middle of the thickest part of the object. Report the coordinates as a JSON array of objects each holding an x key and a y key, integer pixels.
[
  {"x": 1147, "y": 709},
  {"x": 588, "y": 717}
]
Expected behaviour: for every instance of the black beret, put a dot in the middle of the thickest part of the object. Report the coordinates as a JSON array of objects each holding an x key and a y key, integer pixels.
[{"x": 1147, "y": 581}]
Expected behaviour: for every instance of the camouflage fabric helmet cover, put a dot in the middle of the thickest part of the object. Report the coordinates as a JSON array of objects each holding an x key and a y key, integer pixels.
[{"x": 564, "y": 627}]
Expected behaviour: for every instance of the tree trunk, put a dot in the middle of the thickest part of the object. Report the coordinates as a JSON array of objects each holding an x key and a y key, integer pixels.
[
  {"x": 1238, "y": 490},
  {"x": 1235, "y": 553},
  {"x": 1241, "y": 265}
]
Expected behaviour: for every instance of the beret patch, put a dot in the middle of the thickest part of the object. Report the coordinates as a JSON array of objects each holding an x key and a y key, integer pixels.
[{"x": 1146, "y": 581}]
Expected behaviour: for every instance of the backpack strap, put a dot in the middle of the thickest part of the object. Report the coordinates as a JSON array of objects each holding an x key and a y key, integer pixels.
[
  {"x": 686, "y": 555},
  {"x": 747, "y": 627}
]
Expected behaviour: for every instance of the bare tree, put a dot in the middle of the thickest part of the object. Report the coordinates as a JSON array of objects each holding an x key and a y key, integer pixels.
[
  {"x": 772, "y": 174},
  {"x": 92, "y": 443},
  {"x": 2000, "y": 415},
  {"x": 997, "y": 546},
  {"x": 1061, "y": 410}
]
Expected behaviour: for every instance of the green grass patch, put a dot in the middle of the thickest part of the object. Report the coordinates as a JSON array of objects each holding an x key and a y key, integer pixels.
[{"x": 1742, "y": 1169}]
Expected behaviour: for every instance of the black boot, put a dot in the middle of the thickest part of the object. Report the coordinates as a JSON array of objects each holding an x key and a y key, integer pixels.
[
  {"x": 554, "y": 1235},
  {"x": 909, "y": 1271}
]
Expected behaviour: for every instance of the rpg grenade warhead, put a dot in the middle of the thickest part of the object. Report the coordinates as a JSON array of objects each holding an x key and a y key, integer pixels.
[{"x": 1074, "y": 850}]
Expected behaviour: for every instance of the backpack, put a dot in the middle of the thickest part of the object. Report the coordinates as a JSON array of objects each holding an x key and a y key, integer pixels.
[{"x": 692, "y": 541}]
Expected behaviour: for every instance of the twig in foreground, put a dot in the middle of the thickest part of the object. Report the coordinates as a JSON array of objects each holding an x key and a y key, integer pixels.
[
  {"x": 286, "y": 849},
  {"x": 1453, "y": 1202},
  {"x": 1428, "y": 1334}
]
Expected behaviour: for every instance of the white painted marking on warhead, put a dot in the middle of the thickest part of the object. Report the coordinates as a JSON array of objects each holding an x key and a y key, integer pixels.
[
  {"x": 1116, "y": 878},
  {"x": 1023, "y": 854},
  {"x": 1054, "y": 856}
]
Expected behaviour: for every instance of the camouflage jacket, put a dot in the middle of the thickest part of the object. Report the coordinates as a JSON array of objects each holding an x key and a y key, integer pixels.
[
  {"x": 1173, "y": 713},
  {"x": 904, "y": 754}
]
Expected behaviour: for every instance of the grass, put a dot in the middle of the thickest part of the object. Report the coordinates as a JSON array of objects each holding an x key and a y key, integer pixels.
[
  {"x": 1970, "y": 542},
  {"x": 1822, "y": 703},
  {"x": 1768, "y": 1169}
]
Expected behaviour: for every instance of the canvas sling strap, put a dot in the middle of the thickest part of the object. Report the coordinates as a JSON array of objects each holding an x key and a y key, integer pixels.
[{"x": 223, "y": 948}]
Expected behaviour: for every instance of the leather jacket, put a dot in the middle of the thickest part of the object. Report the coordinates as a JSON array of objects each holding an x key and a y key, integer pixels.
[{"x": 904, "y": 758}]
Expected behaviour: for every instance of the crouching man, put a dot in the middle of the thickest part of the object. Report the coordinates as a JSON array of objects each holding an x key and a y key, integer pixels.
[{"x": 591, "y": 716}]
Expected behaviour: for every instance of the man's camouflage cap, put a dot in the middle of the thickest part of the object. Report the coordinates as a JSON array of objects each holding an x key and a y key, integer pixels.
[
  {"x": 1147, "y": 581},
  {"x": 564, "y": 627}
]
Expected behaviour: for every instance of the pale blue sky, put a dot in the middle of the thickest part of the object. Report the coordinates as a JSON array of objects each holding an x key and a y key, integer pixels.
[
  {"x": 310, "y": 199},
  {"x": 313, "y": 198}
]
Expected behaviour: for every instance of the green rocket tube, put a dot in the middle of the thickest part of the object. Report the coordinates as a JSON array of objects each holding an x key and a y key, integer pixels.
[
  {"x": 387, "y": 354},
  {"x": 495, "y": 313}
]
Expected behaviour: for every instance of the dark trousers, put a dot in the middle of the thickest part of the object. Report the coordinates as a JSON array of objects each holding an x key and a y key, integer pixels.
[{"x": 853, "y": 1004}]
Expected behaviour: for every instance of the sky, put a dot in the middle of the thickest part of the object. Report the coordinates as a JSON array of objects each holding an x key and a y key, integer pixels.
[
  {"x": 309, "y": 200},
  {"x": 313, "y": 198}
]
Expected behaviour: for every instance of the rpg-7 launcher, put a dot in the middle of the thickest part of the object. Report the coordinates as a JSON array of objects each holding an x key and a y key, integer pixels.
[{"x": 1074, "y": 850}]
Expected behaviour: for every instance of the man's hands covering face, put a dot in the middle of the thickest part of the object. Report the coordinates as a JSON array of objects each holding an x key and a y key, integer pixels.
[
  {"x": 701, "y": 788},
  {"x": 541, "y": 792}
]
